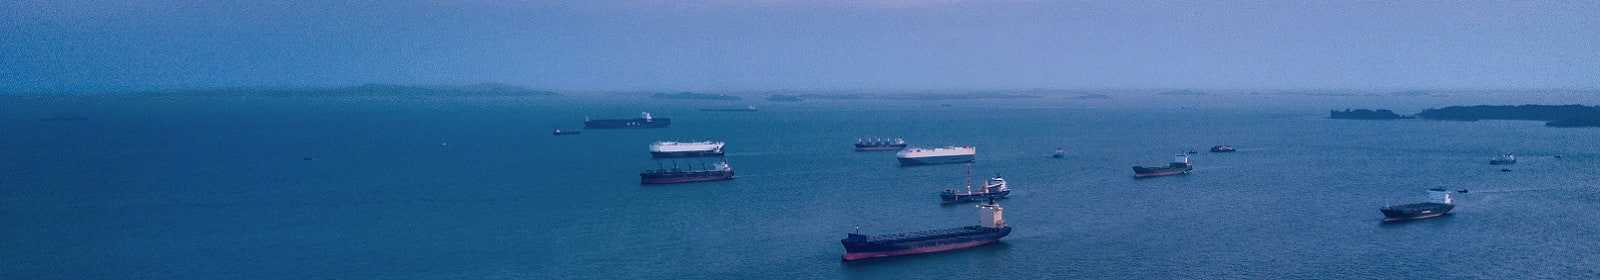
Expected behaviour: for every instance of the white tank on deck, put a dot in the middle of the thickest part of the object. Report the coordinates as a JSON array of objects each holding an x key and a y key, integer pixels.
[{"x": 989, "y": 215}]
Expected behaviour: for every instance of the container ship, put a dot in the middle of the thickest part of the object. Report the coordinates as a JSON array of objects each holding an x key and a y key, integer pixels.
[
  {"x": 719, "y": 171},
  {"x": 1439, "y": 203},
  {"x": 880, "y": 144},
  {"x": 952, "y": 154},
  {"x": 1180, "y": 165},
  {"x": 1506, "y": 159},
  {"x": 643, "y": 121},
  {"x": 669, "y": 149},
  {"x": 991, "y": 227}
]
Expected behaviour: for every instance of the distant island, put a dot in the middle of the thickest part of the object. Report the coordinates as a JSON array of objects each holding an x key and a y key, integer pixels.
[
  {"x": 1090, "y": 96},
  {"x": 1554, "y": 115},
  {"x": 960, "y": 96},
  {"x": 694, "y": 96},
  {"x": 834, "y": 96},
  {"x": 371, "y": 90},
  {"x": 784, "y": 98},
  {"x": 1183, "y": 92},
  {"x": 1364, "y": 114}
]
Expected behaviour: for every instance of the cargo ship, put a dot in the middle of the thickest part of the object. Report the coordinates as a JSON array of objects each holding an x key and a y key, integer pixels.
[
  {"x": 1222, "y": 149},
  {"x": 991, "y": 227},
  {"x": 1505, "y": 159},
  {"x": 751, "y": 108},
  {"x": 952, "y": 154},
  {"x": 1439, "y": 203},
  {"x": 880, "y": 144},
  {"x": 1180, "y": 165},
  {"x": 643, "y": 121},
  {"x": 669, "y": 149},
  {"x": 992, "y": 188},
  {"x": 565, "y": 132},
  {"x": 717, "y": 172}
]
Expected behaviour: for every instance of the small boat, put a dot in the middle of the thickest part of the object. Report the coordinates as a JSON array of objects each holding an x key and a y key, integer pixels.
[
  {"x": 1060, "y": 153},
  {"x": 1462, "y": 191},
  {"x": 1505, "y": 170},
  {"x": 1222, "y": 149},
  {"x": 566, "y": 132},
  {"x": 1506, "y": 159},
  {"x": 992, "y": 188},
  {"x": 1439, "y": 203},
  {"x": 1193, "y": 152}
]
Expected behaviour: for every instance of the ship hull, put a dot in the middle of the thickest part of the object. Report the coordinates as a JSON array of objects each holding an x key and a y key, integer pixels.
[
  {"x": 710, "y": 153},
  {"x": 948, "y": 198},
  {"x": 1415, "y": 211},
  {"x": 628, "y": 123},
  {"x": 1502, "y": 162},
  {"x": 972, "y": 236},
  {"x": 880, "y": 148},
  {"x": 684, "y": 177},
  {"x": 1141, "y": 171},
  {"x": 936, "y": 160}
]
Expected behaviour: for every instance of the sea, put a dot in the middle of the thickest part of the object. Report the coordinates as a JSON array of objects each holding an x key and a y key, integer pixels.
[{"x": 216, "y": 186}]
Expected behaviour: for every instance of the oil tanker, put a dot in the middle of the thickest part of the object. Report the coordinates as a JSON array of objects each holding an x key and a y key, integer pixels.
[
  {"x": 643, "y": 121},
  {"x": 990, "y": 228}
]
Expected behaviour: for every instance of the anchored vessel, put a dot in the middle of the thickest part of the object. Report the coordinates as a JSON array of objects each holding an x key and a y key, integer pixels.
[
  {"x": 1439, "y": 203},
  {"x": 990, "y": 228},
  {"x": 644, "y": 121},
  {"x": 880, "y": 144},
  {"x": 750, "y": 108},
  {"x": 1060, "y": 153},
  {"x": 1222, "y": 149},
  {"x": 719, "y": 171},
  {"x": 1180, "y": 165},
  {"x": 1504, "y": 159},
  {"x": 992, "y": 188},
  {"x": 565, "y": 132},
  {"x": 952, "y": 154},
  {"x": 669, "y": 149}
]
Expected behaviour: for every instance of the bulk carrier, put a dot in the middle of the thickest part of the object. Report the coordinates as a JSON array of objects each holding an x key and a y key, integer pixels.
[
  {"x": 1180, "y": 165},
  {"x": 991, "y": 227},
  {"x": 719, "y": 171}
]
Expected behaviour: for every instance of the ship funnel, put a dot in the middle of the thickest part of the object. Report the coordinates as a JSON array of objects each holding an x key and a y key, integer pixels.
[
  {"x": 1180, "y": 159},
  {"x": 989, "y": 215},
  {"x": 646, "y": 116},
  {"x": 1440, "y": 196}
]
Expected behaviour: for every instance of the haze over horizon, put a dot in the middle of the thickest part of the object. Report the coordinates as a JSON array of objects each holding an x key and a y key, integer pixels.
[{"x": 800, "y": 45}]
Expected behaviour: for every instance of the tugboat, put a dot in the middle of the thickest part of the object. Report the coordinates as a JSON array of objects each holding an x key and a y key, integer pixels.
[
  {"x": 1439, "y": 203},
  {"x": 1180, "y": 165},
  {"x": 1506, "y": 159},
  {"x": 566, "y": 132},
  {"x": 992, "y": 188},
  {"x": 1060, "y": 153},
  {"x": 1222, "y": 149},
  {"x": 990, "y": 228},
  {"x": 720, "y": 171},
  {"x": 880, "y": 144}
]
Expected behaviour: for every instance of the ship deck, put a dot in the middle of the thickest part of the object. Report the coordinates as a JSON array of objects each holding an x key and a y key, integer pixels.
[
  {"x": 1413, "y": 206},
  {"x": 927, "y": 234}
]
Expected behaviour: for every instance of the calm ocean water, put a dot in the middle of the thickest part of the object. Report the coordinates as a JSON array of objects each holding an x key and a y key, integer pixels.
[{"x": 477, "y": 188}]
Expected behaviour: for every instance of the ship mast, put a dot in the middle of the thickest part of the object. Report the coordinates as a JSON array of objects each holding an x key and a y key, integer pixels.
[{"x": 969, "y": 178}]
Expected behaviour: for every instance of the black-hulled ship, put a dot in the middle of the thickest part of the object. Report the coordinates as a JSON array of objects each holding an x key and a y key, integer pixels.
[
  {"x": 643, "y": 121},
  {"x": 1506, "y": 159},
  {"x": 719, "y": 171},
  {"x": 991, "y": 227},
  {"x": 1180, "y": 165},
  {"x": 992, "y": 188},
  {"x": 1222, "y": 149},
  {"x": 1439, "y": 203},
  {"x": 880, "y": 144}
]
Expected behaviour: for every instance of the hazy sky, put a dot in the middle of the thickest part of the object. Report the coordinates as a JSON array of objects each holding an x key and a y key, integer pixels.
[{"x": 53, "y": 45}]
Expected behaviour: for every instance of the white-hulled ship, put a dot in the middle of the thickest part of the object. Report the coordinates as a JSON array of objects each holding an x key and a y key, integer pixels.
[
  {"x": 951, "y": 154},
  {"x": 669, "y": 149}
]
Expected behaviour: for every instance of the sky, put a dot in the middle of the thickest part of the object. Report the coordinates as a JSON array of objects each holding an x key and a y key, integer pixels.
[{"x": 725, "y": 45}]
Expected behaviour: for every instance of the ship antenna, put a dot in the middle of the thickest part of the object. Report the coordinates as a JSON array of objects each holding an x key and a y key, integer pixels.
[
  {"x": 858, "y": 229},
  {"x": 969, "y": 177}
]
